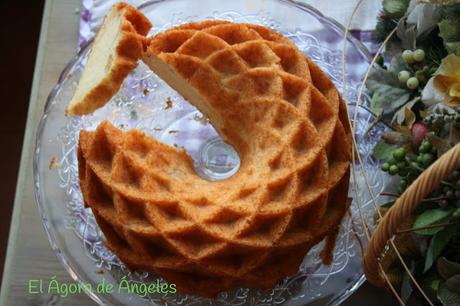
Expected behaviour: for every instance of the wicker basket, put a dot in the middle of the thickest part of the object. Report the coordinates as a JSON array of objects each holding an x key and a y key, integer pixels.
[{"x": 426, "y": 183}]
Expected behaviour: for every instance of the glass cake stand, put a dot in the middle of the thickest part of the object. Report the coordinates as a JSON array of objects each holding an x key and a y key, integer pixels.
[{"x": 147, "y": 103}]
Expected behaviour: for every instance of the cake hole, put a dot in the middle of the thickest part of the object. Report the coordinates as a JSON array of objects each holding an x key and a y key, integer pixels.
[{"x": 218, "y": 160}]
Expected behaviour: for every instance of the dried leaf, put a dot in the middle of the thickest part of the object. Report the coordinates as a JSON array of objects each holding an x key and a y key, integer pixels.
[
  {"x": 395, "y": 138},
  {"x": 399, "y": 116},
  {"x": 423, "y": 113},
  {"x": 405, "y": 114},
  {"x": 410, "y": 117},
  {"x": 403, "y": 130}
]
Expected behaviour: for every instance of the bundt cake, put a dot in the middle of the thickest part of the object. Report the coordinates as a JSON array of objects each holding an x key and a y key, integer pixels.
[
  {"x": 286, "y": 120},
  {"x": 118, "y": 46}
]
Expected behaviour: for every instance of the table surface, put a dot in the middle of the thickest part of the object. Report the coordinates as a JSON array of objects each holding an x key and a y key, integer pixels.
[{"x": 29, "y": 255}]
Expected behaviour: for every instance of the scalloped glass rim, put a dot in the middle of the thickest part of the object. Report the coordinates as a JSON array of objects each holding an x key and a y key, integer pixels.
[{"x": 51, "y": 231}]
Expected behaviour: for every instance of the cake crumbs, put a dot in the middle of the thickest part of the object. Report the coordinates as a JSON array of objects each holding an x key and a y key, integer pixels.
[
  {"x": 157, "y": 129},
  {"x": 169, "y": 103},
  {"x": 53, "y": 163},
  {"x": 133, "y": 115},
  {"x": 146, "y": 91},
  {"x": 173, "y": 132},
  {"x": 201, "y": 119}
]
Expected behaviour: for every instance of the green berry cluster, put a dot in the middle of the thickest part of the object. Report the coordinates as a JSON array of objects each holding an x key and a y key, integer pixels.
[
  {"x": 420, "y": 76},
  {"x": 400, "y": 164},
  {"x": 427, "y": 154},
  {"x": 409, "y": 166}
]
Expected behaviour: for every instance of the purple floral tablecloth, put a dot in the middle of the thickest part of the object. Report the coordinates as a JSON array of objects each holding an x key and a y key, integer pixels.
[{"x": 94, "y": 10}]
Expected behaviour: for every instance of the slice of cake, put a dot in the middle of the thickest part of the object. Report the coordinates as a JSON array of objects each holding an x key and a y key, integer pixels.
[{"x": 118, "y": 46}]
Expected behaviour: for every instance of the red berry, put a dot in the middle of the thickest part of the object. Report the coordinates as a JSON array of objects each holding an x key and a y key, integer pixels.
[{"x": 419, "y": 131}]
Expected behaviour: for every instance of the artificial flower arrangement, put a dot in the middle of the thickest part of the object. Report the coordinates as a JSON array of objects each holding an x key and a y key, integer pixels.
[{"x": 415, "y": 89}]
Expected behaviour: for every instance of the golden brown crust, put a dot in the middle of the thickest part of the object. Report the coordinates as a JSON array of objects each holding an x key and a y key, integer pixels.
[
  {"x": 284, "y": 117},
  {"x": 130, "y": 48},
  {"x": 339, "y": 152}
]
